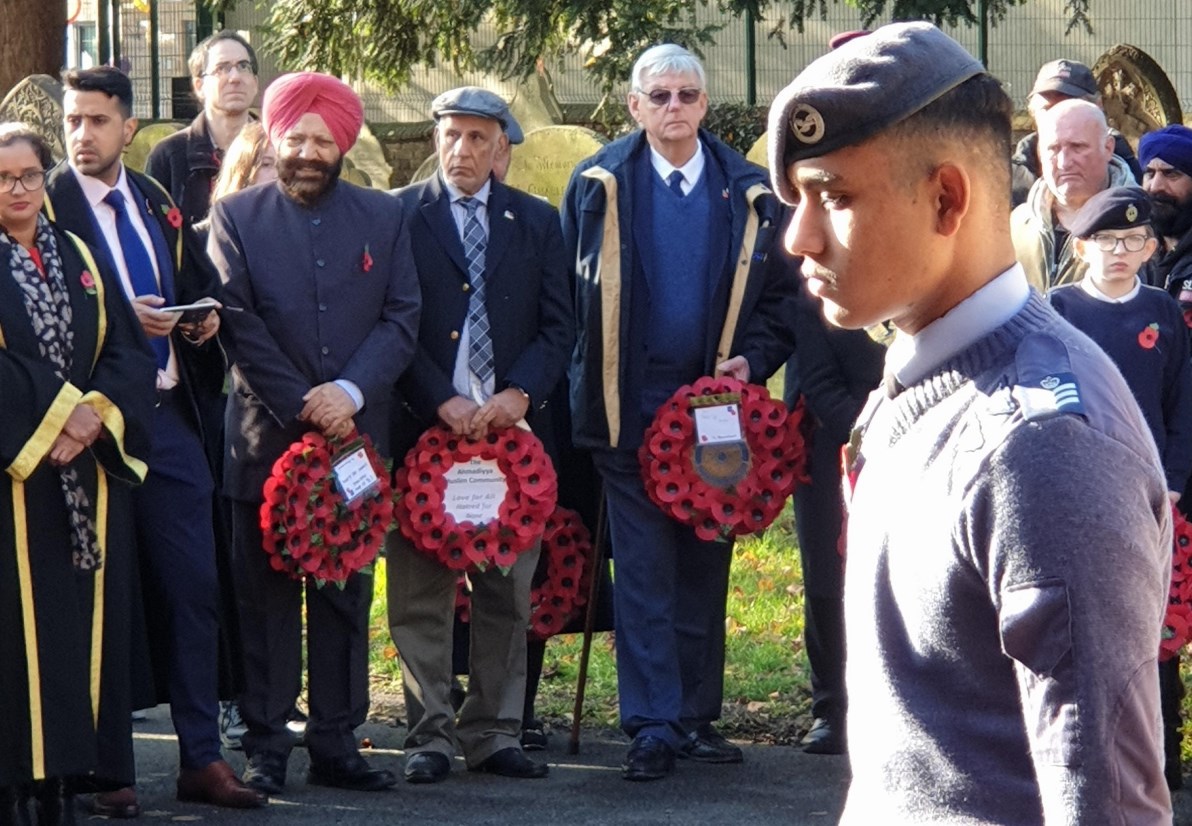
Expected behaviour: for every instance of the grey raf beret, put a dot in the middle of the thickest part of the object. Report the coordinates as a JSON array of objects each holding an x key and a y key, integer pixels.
[
  {"x": 472, "y": 100},
  {"x": 851, "y": 93}
]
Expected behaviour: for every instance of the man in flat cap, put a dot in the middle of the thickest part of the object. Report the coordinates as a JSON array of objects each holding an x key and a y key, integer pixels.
[
  {"x": 322, "y": 315},
  {"x": 1057, "y": 81},
  {"x": 1002, "y": 621},
  {"x": 491, "y": 262},
  {"x": 669, "y": 233},
  {"x": 1076, "y": 152}
]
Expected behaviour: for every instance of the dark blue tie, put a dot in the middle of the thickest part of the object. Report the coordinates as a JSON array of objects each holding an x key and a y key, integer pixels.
[
  {"x": 139, "y": 264},
  {"x": 676, "y": 182}
]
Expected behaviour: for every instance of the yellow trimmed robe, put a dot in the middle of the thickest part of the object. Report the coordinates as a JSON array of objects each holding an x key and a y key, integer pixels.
[{"x": 64, "y": 633}]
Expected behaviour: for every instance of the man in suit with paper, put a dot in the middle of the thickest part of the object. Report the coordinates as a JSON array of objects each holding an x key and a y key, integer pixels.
[
  {"x": 490, "y": 259},
  {"x": 129, "y": 219},
  {"x": 321, "y": 317}
]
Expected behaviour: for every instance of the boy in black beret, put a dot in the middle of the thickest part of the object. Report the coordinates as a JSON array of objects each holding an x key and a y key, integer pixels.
[{"x": 1142, "y": 329}]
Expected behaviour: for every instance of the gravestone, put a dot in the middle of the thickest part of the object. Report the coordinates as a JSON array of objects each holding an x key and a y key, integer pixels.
[
  {"x": 543, "y": 164},
  {"x": 37, "y": 101},
  {"x": 757, "y": 152},
  {"x": 425, "y": 169},
  {"x": 1136, "y": 93},
  {"x": 136, "y": 154},
  {"x": 368, "y": 157}
]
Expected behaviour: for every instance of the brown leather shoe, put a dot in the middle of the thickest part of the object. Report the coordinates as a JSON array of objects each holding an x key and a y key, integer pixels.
[
  {"x": 219, "y": 785},
  {"x": 119, "y": 805}
]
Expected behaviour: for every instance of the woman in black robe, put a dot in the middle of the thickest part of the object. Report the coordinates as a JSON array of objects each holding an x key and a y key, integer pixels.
[{"x": 76, "y": 391}]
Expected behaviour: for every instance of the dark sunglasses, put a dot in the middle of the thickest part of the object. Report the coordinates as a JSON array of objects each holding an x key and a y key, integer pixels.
[{"x": 662, "y": 97}]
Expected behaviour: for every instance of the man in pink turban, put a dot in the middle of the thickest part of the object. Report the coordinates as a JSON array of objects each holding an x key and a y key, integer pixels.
[
  {"x": 308, "y": 116},
  {"x": 323, "y": 305}
]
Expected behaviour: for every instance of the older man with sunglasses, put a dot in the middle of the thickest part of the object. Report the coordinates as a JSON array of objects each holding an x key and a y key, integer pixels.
[{"x": 664, "y": 226}]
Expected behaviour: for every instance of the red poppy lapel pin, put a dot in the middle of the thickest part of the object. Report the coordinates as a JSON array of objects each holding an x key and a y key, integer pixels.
[
  {"x": 88, "y": 282},
  {"x": 173, "y": 215},
  {"x": 366, "y": 261}
]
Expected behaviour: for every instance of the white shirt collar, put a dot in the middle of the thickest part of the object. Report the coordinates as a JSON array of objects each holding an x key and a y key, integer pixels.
[
  {"x": 96, "y": 190},
  {"x": 456, "y": 193},
  {"x": 911, "y": 358},
  {"x": 690, "y": 170},
  {"x": 1089, "y": 287}
]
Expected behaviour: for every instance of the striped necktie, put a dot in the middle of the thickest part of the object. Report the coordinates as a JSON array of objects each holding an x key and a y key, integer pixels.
[{"x": 480, "y": 350}]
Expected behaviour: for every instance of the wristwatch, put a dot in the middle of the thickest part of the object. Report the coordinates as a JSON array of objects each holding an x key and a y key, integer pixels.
[{"x": 514, "y": 386}]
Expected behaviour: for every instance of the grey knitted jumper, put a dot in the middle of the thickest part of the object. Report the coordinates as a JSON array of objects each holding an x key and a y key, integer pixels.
[{"x": 1006, "y": 579}]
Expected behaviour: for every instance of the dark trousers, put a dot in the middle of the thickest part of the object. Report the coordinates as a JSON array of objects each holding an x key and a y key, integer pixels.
[
  {"x": 271, "y": 634},
  {"x": 177, "y": 548},
  {"x": 819, "y": 515},
  {"x": 669, "y": 600}
]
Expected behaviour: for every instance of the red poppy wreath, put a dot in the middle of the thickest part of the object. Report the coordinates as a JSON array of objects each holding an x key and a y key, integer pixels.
[
  {"x": 328, "y": 506},
  {"x": 561, "y": 582},
  {"x": 1177, "y": 625},
  {"x": 723, "y": 457},
  {"x": 473, "y": 503}
]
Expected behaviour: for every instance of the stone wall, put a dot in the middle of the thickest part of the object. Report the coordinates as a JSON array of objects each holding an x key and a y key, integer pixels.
[{"x": 406, "y": 146}]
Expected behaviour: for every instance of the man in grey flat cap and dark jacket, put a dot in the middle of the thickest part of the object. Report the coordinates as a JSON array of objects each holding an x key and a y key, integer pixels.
[
  {"x": 1009, "y": 536},
  {"x": 491, "y": 262}
]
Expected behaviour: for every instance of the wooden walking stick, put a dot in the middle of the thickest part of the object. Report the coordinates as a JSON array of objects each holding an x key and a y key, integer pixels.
[{"x": 589, "y": 624}]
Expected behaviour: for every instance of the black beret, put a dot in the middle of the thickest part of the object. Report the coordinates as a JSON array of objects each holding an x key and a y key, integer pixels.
[
  {"x": 1120, "y": 207},
  {"x": 851, "y": 93}
]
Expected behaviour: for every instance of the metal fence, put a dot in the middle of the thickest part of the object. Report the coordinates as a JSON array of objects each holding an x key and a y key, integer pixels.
[{"x": 1029, "y": 36}]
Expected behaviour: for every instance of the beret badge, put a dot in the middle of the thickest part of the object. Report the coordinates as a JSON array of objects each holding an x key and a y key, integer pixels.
[
  {"x": 1131, "y": 213},
  {"x": 807, "y": 124}
]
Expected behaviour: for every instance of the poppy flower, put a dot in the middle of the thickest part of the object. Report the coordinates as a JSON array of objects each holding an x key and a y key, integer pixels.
[
  {"x": 366, "y": 261},
  {"x": 88, "y": 282},
  {"x": 1149, "y": 336}
]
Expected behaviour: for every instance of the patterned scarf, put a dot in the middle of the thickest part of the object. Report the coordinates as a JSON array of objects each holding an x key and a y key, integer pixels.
[{"x": 48, "y": 305}]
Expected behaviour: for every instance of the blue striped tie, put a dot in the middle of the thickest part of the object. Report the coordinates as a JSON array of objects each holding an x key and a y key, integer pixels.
[
  {"x": 139, "y": 264},
  {"x": 480, "y": 350}
]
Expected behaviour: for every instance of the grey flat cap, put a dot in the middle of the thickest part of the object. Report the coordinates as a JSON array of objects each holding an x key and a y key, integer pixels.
[
  {"x": 851, "y": 93},
  {"x": 472, "y": 100}
]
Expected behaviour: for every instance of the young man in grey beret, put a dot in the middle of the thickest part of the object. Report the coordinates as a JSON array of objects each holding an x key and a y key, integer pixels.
[{"x": 1009, "y": 536}]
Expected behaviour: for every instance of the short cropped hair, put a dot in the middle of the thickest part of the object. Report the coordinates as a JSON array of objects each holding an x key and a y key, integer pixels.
[
  {"x": 197, "y": 62},
  {"x": 16, "y": 131},
  {"x": 665, "y": 59},
  {"x": 977, "y": 113},
  {"x": 107, "y": 79}
]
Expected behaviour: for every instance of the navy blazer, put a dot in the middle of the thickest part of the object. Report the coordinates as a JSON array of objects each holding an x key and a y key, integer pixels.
[
  {"x": 312, "y": 294},
  {"x": 527, "y": 295},
  {"x": 200, "y": 368}
]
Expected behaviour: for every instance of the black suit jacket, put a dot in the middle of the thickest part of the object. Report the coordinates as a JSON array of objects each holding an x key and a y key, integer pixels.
[
  {"x": 527, "y": 295},
  {"x": 312, "y": 294},
  {"x": 200, "y": 368}
]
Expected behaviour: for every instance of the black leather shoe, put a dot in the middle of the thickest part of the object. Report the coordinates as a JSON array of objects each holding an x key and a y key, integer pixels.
[
  {"x": 512, "y": 762},
  {"x": 826, "y": 737},
  {"x": 707, "y": 745},
  {"x": 266, "y": 772},
  {"x": 427, "y": 767},
  {"x": 14, "y": 807},
  {"x": 533, "y": 735},
  {"x": 54, "y": 804},
  {"x": 351, "y": 772},
  {"x": 649, "y": 758}
]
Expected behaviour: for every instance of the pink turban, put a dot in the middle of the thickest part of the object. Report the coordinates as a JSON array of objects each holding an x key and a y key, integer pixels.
[{"x": 291, "y": 96}]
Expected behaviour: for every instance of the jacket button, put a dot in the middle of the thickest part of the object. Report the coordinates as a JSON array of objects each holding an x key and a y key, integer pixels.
[
  {"x": 320, "y": 263},
  {"x": 325, "y": 350},
  {"x": 455, "y": 335},
  {"x": 467, "y": 287}
]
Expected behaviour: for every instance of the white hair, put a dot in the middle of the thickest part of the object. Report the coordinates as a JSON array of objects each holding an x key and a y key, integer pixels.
[{"x": 667, "y": 59}]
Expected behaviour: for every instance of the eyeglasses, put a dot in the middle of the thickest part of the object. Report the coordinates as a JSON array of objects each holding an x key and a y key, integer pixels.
[
  {"x": 1108, "y": 243},
  {"x": 244, "y": 67},
  {"x": 662, "y": 97},
  {"x": 29, "y": 180}
]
